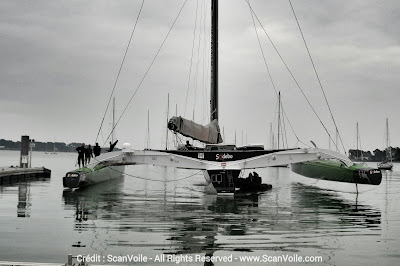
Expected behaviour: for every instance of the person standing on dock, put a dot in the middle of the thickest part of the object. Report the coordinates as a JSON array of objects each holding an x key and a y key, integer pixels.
[
  {"x": 81, "y": 155},
  {"x": 88, "y": 154},
  {"x": 96, "y": 150}
]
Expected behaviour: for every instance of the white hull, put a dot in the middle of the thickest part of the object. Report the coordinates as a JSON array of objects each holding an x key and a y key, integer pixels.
[
  {"x": 96, "y": 172},
  {"x": 105, "y": 174},
  {"x": 101, "y": 173}
]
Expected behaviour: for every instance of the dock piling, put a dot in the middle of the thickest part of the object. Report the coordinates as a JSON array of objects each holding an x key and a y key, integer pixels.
[
  {"x": 23, "y": 163},
  {"x": 69, "y": 260}
]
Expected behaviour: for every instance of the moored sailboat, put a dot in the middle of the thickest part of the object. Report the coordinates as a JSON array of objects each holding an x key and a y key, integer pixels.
[
  {"x": 387, "y": 163},
  {"x": 229, "y": 161},
  {"x": 222, "y": 164}
]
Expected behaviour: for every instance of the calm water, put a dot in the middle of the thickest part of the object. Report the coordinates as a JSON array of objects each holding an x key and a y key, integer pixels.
[{"x": 145, "y": 215}]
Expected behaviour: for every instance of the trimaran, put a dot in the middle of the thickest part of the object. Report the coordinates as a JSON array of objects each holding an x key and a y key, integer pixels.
[{"x": 221, "y": 164}]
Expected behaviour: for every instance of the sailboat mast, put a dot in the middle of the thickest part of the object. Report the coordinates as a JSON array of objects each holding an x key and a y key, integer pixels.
[
  {"x": 214, "y": 60},
  {"x": 387, "y": 138},
  {"x": 357, "y": 143},
  {"x": 113, "y": 122},
  {"x": 337, "y": 140},
  {"x": 148, "y": 129},
  {"x": 388, "y": 150},
  {"x": 176, "y": 114},
  {"x": 271, "y": 137},
  {"x": 279, "y": 116},
  {"x": 166, "y": 138}
]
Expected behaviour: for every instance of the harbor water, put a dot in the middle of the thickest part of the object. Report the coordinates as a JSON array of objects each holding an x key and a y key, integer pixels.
[{"x": 153, "y": 211}]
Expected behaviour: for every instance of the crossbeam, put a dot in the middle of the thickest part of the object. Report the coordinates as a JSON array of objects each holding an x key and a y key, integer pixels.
[{"x": 164, "y": 158}]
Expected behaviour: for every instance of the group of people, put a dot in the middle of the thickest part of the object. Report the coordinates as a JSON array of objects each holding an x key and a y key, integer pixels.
[
  {"x": 254, "y": 178},
  {"x": 85, "y": 154}
]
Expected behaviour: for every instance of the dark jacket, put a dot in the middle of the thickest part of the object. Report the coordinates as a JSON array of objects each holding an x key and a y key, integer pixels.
[
  {"x": 81, "y": 151},
  {"x": 88, "y": 152},
  {"x": 96, "y": 150}
]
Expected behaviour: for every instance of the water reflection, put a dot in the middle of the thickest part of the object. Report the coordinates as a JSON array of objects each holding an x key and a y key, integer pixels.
[
  {"x": 178, "y": 221},
  {"x": 142, "y": 216},
  {"x": 101, "y": 201},
  {"x": 24, "y": 200},
  {"x": 24, "y": 193},
  {"x": 326, "y": 209}
]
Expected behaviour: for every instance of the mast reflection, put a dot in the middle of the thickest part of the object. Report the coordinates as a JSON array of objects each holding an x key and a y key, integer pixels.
[{"x": 190, "y": 222}]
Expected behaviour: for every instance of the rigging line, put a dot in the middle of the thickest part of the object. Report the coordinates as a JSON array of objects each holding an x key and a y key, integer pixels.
[
  {"x": 120, "y": 68},
  {"x": 307, "y": 145},
  {"x": 316, "y": 73},
  {"x": 284, "y": 131},
  {"x": 148, "y": 69},
  {"x": 150, "y": 179},
  {"x": 102, "y": 136},
  {"x": 269, "y": 74},
  {"x": 290, "y": 124},
  {"x": 263, "y": 55},
  {"x": 197, "y": 65},
  {"x": 275, "y": 124},
  {"x": 290, "y": 72},
  {"x": 191, "y": 58},
  {"x": 359, "y": 137},
  {"x": 156, "y": 180}
]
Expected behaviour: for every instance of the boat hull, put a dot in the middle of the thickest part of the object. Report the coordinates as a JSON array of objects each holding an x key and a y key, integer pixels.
[
  {"x": 337, "y": 171},
  {"x": 229, "y": 181},
  {"x": 86, "y": 177},
  {"x": 385, "y": 166}
]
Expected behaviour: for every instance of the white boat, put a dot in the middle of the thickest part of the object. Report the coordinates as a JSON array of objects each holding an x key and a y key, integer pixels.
[
  {"x": 387, "y": 164},
  {"x": 222, "y": 165}
]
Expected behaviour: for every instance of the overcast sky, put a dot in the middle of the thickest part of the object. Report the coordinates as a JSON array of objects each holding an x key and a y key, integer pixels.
[{"x": 60, "y": 59}]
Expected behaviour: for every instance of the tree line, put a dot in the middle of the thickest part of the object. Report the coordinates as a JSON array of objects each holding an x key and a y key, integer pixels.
[
  {"x": 355, "y": 155},
  {"x": 375, "y": 156},
  {"x": 42, "y": 146}
]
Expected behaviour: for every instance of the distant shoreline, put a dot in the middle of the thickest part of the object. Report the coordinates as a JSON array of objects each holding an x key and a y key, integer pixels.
[
  {"x": 44, "y": 146},
  {"x": 375, "y": 156}
]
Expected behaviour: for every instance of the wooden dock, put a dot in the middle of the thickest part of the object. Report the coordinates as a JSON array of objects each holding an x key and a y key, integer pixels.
[{"x": 12, "y": 175}]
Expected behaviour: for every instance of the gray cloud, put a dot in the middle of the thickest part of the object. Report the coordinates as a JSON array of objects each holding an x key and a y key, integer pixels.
[{"x": 59, "y": 61}]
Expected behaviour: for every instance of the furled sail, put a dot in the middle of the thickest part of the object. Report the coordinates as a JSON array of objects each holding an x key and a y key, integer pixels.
[{"x": 209, "y": 134}]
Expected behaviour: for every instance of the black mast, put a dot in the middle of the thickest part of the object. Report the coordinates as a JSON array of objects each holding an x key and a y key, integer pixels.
[{"x": 214, "y": 60}]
